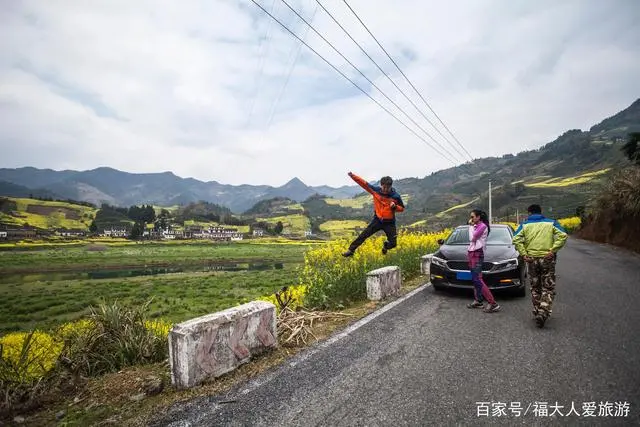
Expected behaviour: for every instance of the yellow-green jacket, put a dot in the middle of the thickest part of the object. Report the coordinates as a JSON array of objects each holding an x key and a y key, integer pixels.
[{"x": 538, "y": 235}]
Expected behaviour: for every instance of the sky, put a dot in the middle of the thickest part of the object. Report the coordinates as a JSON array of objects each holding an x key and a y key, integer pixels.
[{"x": 216, "y": 90}]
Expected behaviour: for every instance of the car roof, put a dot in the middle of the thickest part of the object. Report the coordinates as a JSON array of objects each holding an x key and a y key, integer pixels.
[{"x": 492, "y": 226}]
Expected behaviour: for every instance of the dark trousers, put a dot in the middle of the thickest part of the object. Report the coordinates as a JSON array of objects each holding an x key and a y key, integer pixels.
[{"x": 374, "y": 226}]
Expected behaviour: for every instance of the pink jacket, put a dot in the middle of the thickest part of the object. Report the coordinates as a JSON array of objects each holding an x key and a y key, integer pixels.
[{"x": 478, "y": 236}]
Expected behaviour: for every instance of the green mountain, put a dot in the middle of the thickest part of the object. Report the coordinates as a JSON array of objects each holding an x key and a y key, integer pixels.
[
  {"x": 107, "y": 185},
  {"x": 561, "y": 176}
]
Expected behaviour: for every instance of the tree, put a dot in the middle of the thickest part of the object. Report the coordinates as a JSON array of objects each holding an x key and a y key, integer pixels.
[
  {"x": 149, "y": 214},
  {"x": 136, "y": 231},
  {"x": 163, "y": 220},
  {"x": 632, "y": 147},
  {"x": 93, "y": 228},
  {"x": 278, "y": 228}
]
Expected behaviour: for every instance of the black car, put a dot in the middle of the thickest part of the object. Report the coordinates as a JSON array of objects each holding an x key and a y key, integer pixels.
[{"x": 503, "y": 267}]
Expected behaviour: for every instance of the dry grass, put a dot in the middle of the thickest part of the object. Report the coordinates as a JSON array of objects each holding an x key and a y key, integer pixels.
[{"x": 613, "y": 217}]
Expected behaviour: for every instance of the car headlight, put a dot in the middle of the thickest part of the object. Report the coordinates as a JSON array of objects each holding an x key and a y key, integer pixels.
[
  {"x": 439, "y": 262},
  {"x": 510, "y": 264}
]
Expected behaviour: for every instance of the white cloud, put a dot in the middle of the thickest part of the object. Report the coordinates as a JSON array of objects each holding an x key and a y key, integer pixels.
[{"x": 151, "y": 86}]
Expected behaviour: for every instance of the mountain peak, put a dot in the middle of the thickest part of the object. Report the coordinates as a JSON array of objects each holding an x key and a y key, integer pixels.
[{"x": 295, "y": 182}]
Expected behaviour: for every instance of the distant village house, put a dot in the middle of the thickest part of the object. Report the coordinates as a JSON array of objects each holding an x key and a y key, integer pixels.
[
  {"x": 10, "y": 233},
  {"x": 115, "y": 231},
  {"x": 63, "y": 232},
  {"x": 217, "y": 233}
]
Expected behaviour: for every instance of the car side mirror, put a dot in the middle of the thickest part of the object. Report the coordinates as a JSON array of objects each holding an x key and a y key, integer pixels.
[{"x": 441, "y": 241}]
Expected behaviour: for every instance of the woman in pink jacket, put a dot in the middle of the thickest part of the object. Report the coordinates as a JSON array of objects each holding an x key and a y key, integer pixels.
[{"x": 479, "y": 229}]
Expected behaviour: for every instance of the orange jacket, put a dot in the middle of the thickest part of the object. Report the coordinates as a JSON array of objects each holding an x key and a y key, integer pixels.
[{"x": 382, "y": 202}]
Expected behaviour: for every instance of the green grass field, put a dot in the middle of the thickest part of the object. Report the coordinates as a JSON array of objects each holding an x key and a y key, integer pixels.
[
  {"x": 176, "y": 297},
  {"x": 43, "y": 299},
  {"x": 97, "y": 255}
]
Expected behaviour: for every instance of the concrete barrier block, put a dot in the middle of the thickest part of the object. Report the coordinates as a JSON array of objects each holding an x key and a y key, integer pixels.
[
  {"x": 383, "y": 282},
  {"x": 212, "y": 345},
  {"x": 425, "y": 264}
]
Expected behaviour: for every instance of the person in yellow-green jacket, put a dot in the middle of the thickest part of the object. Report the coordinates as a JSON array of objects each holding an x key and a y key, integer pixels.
[{"x": 538, "y": 240}]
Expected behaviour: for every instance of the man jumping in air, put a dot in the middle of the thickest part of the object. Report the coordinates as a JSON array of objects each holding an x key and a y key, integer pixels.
[{"x": 386, "y": 202}]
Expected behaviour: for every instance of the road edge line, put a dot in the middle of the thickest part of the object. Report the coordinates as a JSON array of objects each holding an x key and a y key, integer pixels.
[{"x": 301, "y": 357}]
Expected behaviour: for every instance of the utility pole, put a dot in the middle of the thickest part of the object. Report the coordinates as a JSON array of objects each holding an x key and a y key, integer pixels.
[
  {"x": 490, "y": 213},
  {"x": 517, "y": 216}
]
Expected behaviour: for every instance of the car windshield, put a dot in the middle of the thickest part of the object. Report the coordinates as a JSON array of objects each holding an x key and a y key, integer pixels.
[{"x": 498, "y": 236}]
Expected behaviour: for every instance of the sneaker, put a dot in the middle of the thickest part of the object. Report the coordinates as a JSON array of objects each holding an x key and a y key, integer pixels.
[
  {"x": 348, "y": 253},
  {"x": 475, "y": 304},
  {"x": 492, "y": 308},
  {"x": 540, "y": 321}
]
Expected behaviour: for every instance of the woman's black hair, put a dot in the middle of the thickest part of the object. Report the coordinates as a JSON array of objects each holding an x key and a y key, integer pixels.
[{"x": 483, "y": 217}]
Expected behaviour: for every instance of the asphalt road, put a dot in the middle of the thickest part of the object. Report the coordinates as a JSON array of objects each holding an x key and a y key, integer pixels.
[{"x": 429, "y": 360}]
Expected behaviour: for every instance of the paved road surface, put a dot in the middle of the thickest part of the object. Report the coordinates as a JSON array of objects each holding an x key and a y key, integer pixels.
[{"x": 428, "y": 360}]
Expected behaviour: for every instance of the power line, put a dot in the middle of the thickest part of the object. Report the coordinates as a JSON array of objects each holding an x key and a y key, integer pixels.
[
  {"x": 406, "y": 78},
  {"x": 347, "y": 78},
  {"x": 391, "y": 80},
  {"x": 261, "y": 60},
  {"x": 291, "y": 68},
  {"x": 452, "y": 157}
]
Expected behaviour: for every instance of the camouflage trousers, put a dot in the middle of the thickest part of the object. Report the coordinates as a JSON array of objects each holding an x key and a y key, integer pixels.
[{"x": 542, "y": 274}]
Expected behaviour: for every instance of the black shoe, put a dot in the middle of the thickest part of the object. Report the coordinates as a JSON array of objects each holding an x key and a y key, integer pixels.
[
  {"x": 384, "y": 250},
  {"x": 348, "y": 253},
  {"x": 540, "y": 321},
  {"x": 475, "y": 304}
]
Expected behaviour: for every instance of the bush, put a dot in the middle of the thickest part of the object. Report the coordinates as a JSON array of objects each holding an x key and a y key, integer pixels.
[
  {"x": 115, "y": 337},
  {"x": 333, "y": 281}
]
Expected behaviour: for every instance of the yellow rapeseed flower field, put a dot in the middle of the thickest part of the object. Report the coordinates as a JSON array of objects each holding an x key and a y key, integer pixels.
[
  {"x": 24, "y": 362},
  {"x": 333, "y": 281}
]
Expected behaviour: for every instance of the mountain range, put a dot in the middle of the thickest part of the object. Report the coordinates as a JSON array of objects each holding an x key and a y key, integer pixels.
[
  {"x": 534, "y": 175},
  {"x": 107, "y": 185}
]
